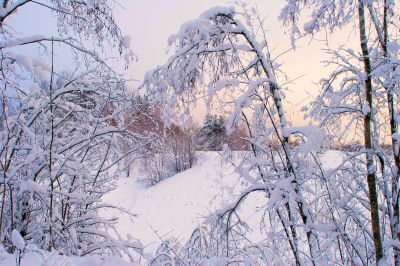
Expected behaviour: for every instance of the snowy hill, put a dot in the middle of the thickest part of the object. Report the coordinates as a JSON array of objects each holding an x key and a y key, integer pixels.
[{"x": 175, "y": 206}]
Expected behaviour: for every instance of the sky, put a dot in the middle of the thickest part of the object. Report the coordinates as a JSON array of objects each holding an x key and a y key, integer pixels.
[{"x": 151, "y": 22}]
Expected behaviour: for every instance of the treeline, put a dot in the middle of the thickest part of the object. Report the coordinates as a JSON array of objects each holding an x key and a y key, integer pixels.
[{"x": 173, "y": 147}]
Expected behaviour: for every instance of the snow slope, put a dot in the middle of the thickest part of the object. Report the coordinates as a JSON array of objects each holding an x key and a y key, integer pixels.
[
  {"x": 172, "y": 208},
  {"x": 175, "y": 206}
]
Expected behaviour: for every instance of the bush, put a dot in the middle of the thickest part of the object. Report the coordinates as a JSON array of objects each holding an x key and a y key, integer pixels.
[{"x": 170, "y": 154}]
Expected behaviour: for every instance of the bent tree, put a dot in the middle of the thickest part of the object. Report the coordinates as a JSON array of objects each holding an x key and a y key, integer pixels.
[{"x": 219, "y": 52}]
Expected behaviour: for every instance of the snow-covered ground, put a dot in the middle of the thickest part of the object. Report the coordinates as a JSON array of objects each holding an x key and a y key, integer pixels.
[
  {"x": 53, "y": 259},
  {"x": 172, "y": 208},
  {"x": 175, "y": 206}
]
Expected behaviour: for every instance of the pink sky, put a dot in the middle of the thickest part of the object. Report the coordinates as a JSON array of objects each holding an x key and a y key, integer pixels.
[{"x": 151, "y": 22}]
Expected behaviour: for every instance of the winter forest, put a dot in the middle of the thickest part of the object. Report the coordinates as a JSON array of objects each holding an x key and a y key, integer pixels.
[{"x": 260, "y": 132}]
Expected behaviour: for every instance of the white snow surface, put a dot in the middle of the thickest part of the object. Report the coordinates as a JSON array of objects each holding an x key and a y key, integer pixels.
[
  {"x": 43, "y": 258},
  {"x": 174, "y": 207},
  {"x": 17, "y": 240}
]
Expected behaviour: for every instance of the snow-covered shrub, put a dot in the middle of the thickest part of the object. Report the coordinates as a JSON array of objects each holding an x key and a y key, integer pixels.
[
  {"x": 62, "y": 149},
  {"x": 157, "y": 164},
  {"x": 172, "y": 153},
  {"x": 167, "y": 254},
  {"x": 359, "y": 101},
  {"x": 212, "y": 244},
  {"x": 169, "y": 150}
]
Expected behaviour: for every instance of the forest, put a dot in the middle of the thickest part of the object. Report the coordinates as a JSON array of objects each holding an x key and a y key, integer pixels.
[{"x": 97, "y": 170}]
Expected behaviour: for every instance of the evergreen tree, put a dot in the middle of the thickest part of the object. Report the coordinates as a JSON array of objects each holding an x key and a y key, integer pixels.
[{"x": 212, "y": 135}]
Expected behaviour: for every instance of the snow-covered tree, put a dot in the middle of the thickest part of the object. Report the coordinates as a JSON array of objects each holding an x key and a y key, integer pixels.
[
  {"x": 61, "y": 131},
  {"x": 362, "y": 90},
  {"x": 221, "y": 52},
  {"x": 171, "y": 149},
  {"x": 212, "y": 136}
]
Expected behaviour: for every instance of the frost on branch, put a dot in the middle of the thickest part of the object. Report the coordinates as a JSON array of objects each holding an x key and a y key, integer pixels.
[
  {"x": 217, "y": 57},
  {"x": 63, "y": 138}
]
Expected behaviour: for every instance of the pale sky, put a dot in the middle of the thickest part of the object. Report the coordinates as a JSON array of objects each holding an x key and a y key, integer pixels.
[{"x": 151, "y": 22}]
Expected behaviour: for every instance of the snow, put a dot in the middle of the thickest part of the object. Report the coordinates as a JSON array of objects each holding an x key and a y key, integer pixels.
[
  {"x": 212, "y": 12},
  {"x": 308, "y": 26},
  {"x": 175, "y": 206},
  {"x": 35, "y": 89},
  {"x": 365, "y": 108},
  {"x": 312, "y": 135},
  {"x": 127, "y": 41},
  {"x": 214, "y": 87},
  {"x": 27, "y": 40},
  {"x": 393, "y": 46},
  {"x": 5, "y": 11},
  {"x": 17, "y": 240},
  {"x": 34, "y": 66},
  {"x": 44, "y": 258},
  {"x": 396, "y": 136},
  {"x": 332, "y": 159}
]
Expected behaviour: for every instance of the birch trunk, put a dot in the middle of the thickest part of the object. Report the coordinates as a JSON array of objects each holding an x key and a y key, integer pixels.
[{"x": 368, "y": 138}]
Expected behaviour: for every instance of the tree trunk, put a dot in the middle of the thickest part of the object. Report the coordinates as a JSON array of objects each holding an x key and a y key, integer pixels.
[
  {"x": 395, "y": 144},
  {"x": 368, "y": 138}
]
